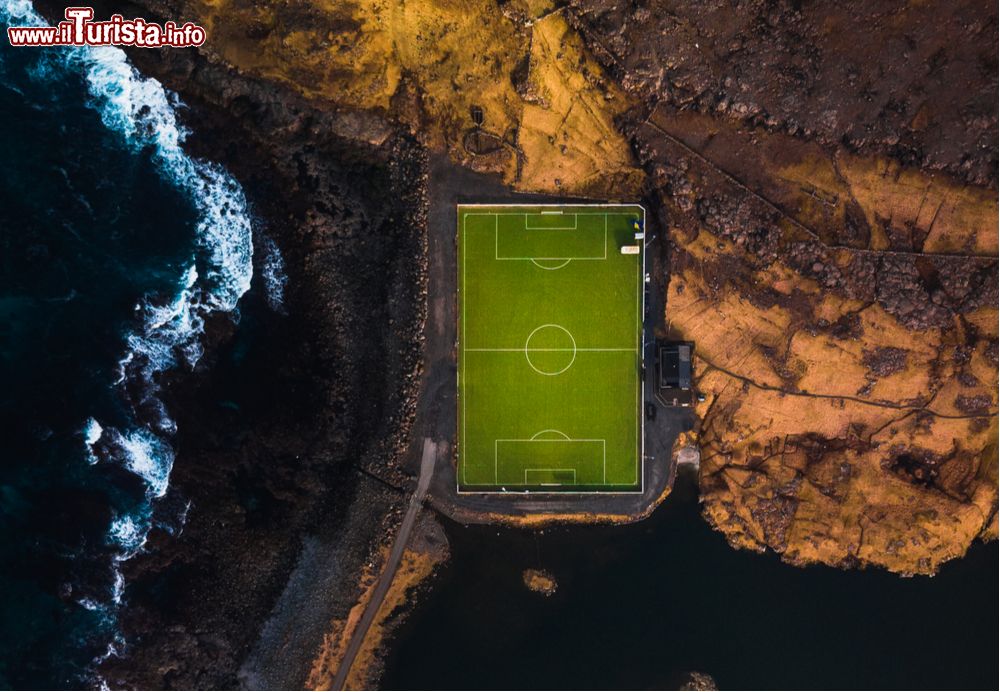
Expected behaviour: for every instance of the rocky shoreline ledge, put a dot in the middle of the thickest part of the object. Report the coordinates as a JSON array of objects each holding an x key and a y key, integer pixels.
[
  {"x": 317, "y": 486},
  {"x": 293, "y": 479}
]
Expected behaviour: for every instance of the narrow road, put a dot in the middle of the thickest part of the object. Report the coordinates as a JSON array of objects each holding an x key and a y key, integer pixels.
[{"x": 391, "y": 565}]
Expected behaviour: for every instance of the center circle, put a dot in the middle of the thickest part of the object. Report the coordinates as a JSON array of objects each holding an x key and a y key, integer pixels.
[{"x": 550, "y": 349}]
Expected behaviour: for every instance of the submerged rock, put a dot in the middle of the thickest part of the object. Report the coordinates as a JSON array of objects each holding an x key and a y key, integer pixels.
[
  {"x": 540, "y": 581},
  {"x": 699, "y": 681}
]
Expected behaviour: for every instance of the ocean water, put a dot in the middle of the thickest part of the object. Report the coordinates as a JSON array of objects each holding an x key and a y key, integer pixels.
[
  {"x": 640, "y": 606},
  {"x": 115, "y": 247}
]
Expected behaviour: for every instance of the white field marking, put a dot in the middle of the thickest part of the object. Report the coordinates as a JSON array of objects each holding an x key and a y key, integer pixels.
[
  {"x": 630, "y": 349},
  {"x": 605, "y": 236},
  {"x": 604, "y": 452},
  {"x": 535, "y": 262},
  {"x": 527, "y": 351},
  {"x": 551, "y": 228},
  {"x": 641, "y": 427},
  {"x": 558, "y": 485},
  {"x": 550, "y": 430}
]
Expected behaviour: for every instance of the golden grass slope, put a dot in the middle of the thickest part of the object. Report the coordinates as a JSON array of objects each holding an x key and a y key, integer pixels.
[
  {"x": 425, "y": 63},
  {"x": 830, "y": 431},
  {"x": 797, "y": 456}
]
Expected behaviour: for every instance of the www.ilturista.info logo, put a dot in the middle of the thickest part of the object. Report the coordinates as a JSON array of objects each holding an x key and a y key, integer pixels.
[{"x": 79, "y": 30}]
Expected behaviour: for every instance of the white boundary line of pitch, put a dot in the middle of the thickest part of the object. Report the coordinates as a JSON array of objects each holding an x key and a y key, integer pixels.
[{"x": 640, "y": 298}]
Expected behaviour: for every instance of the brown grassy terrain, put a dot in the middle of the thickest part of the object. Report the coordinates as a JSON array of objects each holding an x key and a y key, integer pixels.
[
  {"x": 338, "y": 637},
  {"x": 849, "y": 414},
  {"x": 914, "y": 80},
  {"x": 548, "y": 108}
]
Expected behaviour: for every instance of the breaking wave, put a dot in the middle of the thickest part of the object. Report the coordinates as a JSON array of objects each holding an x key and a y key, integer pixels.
[{"x": 167, "y": 331}]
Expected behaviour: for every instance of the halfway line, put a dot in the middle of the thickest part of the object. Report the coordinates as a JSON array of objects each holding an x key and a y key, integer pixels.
[{"x": 522, "y": 350}]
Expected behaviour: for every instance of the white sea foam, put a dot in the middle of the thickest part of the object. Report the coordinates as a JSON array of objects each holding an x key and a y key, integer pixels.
[
  {"x": 144, "y": 113},
  {"x": 115, "y": 647},
  {"x": 118, "y": 586},
  {"x": 149, "y": 457},
  {"x": 21, "y": 11},
  {"x": 168, "y": 332},
  {"x": 92, "y": 432},
  {"x": 166, "y": 329},
  {"x": 273, "y": 274},
  {"x": 89, "y": 604},
  {"x": 129, "y": 533}
]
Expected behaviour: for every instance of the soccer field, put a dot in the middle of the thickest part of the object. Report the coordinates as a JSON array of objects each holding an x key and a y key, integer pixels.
[{"x": 549, "y": 348}]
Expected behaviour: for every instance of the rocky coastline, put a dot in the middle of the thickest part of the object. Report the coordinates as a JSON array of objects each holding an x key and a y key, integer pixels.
[{"x": 304, "y": 462}]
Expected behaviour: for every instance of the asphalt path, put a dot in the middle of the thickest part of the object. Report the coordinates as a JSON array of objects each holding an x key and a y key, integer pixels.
[{"x": 391, "y": 565}]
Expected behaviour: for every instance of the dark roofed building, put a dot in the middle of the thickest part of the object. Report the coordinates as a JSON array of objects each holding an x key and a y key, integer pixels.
[{"x": 674, "y": 372}]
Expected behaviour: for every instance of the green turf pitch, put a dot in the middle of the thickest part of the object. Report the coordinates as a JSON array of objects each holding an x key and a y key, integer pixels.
[{"x": 549, "y": 362}]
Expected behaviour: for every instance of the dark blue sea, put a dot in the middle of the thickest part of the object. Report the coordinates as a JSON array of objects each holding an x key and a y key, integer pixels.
[
  {"x": 115, "y": 247},
  {"x": 639, "y": 607}
]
